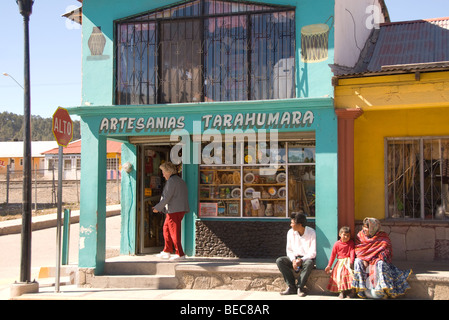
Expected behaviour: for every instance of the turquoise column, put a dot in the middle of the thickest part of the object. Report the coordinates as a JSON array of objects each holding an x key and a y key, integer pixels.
[
  {"x": 326, "y": 186},
  {"x": 190, "y": 176},
  {"x": 92, "y": 235},
  {"x": 128, "y": 201}
]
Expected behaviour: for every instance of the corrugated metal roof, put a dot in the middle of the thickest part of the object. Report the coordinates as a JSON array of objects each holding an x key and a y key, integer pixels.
[
  {"x": 398, "y": 47},
  {"x": 411, "y": 42},
  {"x": 75, "y": 148}
]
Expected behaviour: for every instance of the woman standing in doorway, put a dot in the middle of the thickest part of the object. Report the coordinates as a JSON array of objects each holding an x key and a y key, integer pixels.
[{"x": 175, "y": 203}]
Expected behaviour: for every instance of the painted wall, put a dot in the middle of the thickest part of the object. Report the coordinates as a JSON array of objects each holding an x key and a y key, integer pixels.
[
  {"x": 354, "y": 22},
  {"x": 312, "y": 79},
  {"x": 323, "y": 122},
  {"x": 92, "y": 236},
  {"x": 314, "y": 92},
  {"x": 18, "y": 166},
  {"x": 129, "y": 201},
  {"x": 394, "y": 106},
  {"x": 370, "y": 130}
]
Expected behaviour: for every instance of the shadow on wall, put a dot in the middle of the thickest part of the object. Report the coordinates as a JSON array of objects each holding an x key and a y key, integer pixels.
[{"x": 242, "y": 239}]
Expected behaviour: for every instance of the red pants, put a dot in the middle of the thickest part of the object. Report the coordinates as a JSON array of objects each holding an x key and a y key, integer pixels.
[{"x": 172, "y": 232}]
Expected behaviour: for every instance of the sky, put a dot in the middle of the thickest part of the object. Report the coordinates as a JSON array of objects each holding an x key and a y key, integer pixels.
[
  {"x": 55, "y": 51},
  {"x": 55, "y": 57}
]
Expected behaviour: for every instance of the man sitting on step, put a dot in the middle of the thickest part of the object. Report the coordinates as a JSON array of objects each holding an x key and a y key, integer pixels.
[{"x": 301, "y": 253}]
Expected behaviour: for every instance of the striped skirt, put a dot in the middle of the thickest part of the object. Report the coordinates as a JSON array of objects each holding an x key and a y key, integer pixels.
[{"x": 341, "y": 277}]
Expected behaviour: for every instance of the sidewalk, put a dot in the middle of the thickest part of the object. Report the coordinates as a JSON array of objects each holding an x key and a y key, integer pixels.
[
  {"x": 72, "y": 292},
  {"x": 433, "y": 276}
]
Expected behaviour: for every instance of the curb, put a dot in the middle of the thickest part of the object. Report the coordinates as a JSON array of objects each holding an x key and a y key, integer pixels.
[{"x": 48, "y": 221}]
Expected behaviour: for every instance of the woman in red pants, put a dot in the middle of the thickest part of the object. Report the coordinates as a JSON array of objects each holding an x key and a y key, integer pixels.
[{"x": 174, "y": 202}]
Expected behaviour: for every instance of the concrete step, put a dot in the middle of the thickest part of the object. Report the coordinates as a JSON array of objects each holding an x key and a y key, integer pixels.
[
  {"x": 47, "y": 275},
  {"x": 143, "y": 274},
  {"x": 135, "y": 281},
  {"x": 430, "y": 280},
  {"x": 51, "y": 282},
  {"x": 139, "y": 268}
]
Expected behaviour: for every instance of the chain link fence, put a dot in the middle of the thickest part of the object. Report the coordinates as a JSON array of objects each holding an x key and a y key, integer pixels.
[{"x": 45, "y": 189}]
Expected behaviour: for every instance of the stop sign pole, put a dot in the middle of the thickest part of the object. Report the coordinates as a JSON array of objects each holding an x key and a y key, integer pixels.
[{"x": 62, "y": 126}]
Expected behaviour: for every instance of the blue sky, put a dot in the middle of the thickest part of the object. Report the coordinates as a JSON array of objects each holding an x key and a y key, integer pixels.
[
  {"x": 55, "y": 50},
  {"x": 55, "y": 47}
]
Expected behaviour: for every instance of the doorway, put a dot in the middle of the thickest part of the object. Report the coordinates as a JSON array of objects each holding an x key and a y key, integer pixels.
[{"x": 150, "y": 185}]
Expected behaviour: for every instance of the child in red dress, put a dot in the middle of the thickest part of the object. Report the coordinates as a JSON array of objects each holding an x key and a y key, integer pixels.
[{"x": 342, "y": 274}]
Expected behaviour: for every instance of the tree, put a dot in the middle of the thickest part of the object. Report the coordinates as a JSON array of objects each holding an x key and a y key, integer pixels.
[{"x": 11, "y": 128}]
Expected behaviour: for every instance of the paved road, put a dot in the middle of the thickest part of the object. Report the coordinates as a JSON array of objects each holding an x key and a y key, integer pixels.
[{"x": 43, "y": 251}]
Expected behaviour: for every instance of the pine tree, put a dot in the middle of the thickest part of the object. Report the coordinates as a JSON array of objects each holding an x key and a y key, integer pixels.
[{"x": 11, "y": 128}]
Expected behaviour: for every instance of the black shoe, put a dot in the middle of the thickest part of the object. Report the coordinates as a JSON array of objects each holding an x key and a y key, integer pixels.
[{"x": 289, "y": 290}]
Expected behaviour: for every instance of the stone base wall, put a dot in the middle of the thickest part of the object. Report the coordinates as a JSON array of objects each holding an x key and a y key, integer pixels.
[
  {"x": 256, "y": 281},
  {"x": 241, "y": 239},
  {"x": 85, "y": 277},
  {"x": 230, "y": 281},
  {"x": 417, "y": 240}
]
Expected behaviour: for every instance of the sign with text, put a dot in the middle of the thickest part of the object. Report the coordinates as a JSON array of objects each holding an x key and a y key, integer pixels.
[{"x": 62, "y": 127}]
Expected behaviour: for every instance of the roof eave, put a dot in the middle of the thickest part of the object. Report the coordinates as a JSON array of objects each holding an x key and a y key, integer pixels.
[{"x": 75, "y": 15}]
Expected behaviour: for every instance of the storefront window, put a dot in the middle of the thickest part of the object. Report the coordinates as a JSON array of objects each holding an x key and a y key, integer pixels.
[
  {"x": 246, "y": 179},
  {"x": 206, "y": 50},
  {"x": 417, "y": 178}
]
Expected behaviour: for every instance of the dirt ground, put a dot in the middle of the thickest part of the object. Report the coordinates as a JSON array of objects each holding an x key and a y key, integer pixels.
[{"x": 46, "y": 196}]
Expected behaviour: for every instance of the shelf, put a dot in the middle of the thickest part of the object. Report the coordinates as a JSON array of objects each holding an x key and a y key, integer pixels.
[
  {"x": 218, "y": 200},
  {"x": 269, "y": 183},
  {"x": 153, "y": 198},
  {"x": 218, "y": 184},
  {"x": 269, "y": 199},
  {"x": 221, "y": 170},
  {"x": 265, "y": 184}
]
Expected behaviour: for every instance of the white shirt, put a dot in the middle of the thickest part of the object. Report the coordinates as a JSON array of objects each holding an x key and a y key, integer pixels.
[{"x": 304, "y": 245}]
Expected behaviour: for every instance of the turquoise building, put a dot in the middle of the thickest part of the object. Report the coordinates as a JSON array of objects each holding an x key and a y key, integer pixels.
[{"x": 239, "y": 94}]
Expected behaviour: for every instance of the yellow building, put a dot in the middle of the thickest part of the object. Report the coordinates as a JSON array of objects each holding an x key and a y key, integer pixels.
[
  {"x": 72, "y": 160},
  {"x": 393, "y": 111},
  {"x": 11, "y": 154}
]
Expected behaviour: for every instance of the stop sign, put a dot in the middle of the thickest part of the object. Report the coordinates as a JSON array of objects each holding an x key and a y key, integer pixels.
[{"x": 62, "y": 127}]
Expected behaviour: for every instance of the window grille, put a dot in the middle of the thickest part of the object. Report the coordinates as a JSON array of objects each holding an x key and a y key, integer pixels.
[
  {"x": 112, "y": 164},
  {"x": 417, "y": 177},
  {"x": 206, "y": 50}
]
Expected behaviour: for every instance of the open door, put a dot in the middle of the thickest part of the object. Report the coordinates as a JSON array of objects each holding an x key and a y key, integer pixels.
[{"x": 151, "y": 182}]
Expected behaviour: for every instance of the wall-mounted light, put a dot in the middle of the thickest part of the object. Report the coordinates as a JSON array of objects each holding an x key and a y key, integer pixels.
[{"x": 127, "y": 167}]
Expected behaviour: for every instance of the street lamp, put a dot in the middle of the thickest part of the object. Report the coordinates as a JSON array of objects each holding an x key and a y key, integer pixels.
[
  {"x": 8, "y": 75},
  {"x": 25, "y": 9}
]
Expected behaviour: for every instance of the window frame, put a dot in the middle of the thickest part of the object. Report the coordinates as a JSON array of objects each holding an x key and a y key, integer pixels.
[
  {"x": 243, "y": 166},
  {"x": 421, "y": 167},
  {"x": 251, "y": 92}
]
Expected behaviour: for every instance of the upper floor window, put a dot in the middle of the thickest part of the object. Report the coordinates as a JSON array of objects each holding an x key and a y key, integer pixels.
[{"x": 206, "y": 50}]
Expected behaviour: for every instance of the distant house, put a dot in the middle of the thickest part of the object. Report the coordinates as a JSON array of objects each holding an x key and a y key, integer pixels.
[
  {"x": 11, "y": 153},
  {"x": 72, "y": 160}
]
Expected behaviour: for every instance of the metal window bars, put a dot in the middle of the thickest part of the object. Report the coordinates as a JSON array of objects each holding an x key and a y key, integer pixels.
[
  {"x": 417, "y": 178},
  {"x": 206, "y": 50}
]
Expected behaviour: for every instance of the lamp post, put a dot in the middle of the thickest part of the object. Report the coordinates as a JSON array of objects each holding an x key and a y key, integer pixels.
[
  {"x": 25, "y": 9},
  {"x": 8, "y": 75}
]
